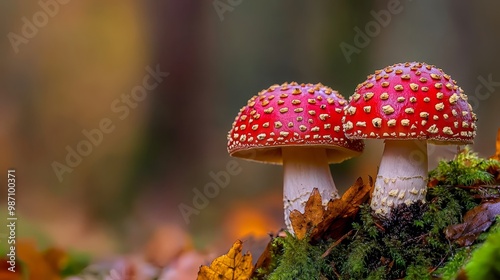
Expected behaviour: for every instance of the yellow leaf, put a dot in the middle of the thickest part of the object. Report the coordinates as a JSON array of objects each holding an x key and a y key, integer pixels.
[{"x": 231, "y": 266}]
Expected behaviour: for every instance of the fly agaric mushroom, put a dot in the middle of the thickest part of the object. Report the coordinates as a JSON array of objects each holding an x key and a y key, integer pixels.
[
  {"x": 407, "y": 104},
  {"x": 300, "y": 127}
]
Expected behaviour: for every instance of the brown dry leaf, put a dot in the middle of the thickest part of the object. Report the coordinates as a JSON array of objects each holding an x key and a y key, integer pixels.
[
  {"x": 332, "y": 219},
  {"x": 231, "y": 266},
  {"x": 340, "y": 212},
  {"x": 497, "y": 153},
  {"x": 312, "y": 216},
  {"x": 476, "y": 220},
  {"x": 265, "y": 259}
]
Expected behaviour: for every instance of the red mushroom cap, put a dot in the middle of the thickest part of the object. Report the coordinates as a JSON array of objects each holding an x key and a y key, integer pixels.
[
  {"x": 410, "y": 101},
  {"x": 291, "y": 115}
]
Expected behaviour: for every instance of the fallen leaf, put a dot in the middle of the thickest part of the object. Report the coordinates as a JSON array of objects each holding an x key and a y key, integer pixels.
[
  {"x": 266, "y": 258},
  {"x": 330, "y": 221},
  {"x": 231, "y": 266},
  {"x": 497, "y": 153},
  {"x": 314, "y": 211},
  {"x": 340, "y": 212},
  {"x": 476, "y": 220}
]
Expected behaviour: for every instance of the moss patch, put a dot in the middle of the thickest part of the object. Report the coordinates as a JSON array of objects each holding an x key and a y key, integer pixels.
[{"x": 410, "y": 243}]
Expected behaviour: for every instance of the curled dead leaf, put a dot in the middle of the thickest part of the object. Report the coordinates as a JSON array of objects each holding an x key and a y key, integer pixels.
[
  {"x": 476, "y": 221},
  {"x": 312, "y": 216},
  {"x": 340, "y": 212},
  {"x": 231, "y": 266},
  {"x": 332, "y": 220}
]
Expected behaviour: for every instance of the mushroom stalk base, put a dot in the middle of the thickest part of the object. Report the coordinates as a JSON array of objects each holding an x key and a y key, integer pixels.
[
  {"x": 402, "y": 175},
  {"x": 305, "y": 169}
]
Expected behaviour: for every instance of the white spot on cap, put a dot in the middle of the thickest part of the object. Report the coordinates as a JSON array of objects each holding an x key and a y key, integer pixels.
[
  {"x": 433, "y": 129},
  {"x": 388, "y": 109},
  {"x": 439, "y": 106},
  {"x": 368, "y": 96},
  {"x": 348, "y": 125}
]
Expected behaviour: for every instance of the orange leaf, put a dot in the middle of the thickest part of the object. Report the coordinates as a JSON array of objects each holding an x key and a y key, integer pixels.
[
  {"x": 231, "y": 266},
  {"x": 313, "y": 214},
  {"x": 38, "y": 265},
  {"x": 6, "y": 274},
  {"x": 497, "y": 153}
]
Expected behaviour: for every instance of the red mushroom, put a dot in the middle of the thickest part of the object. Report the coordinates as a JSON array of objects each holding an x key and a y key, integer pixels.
[
  {"x": 300, "y": 127},
  {"x": 407, "y": 104}
]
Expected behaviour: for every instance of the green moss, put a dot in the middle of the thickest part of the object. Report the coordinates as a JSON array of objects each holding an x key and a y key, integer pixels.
[
  {"x": 466, "y": 169},
  {"x": 452, "y": 267},
  {"x": 399, "y": 250},
  {"x": 300, "y": 260},
  {"x": 410, "y": 243}
]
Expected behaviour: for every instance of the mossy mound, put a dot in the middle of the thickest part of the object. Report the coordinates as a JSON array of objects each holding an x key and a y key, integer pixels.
[{"x": 412, "y": 242}]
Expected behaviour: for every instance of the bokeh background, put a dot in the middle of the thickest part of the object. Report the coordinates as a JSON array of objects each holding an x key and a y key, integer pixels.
[{"x": 87, "y": 54}]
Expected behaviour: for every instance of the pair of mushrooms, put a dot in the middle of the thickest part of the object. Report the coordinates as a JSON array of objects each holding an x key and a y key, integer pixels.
[{"x": 305, "y": 127}]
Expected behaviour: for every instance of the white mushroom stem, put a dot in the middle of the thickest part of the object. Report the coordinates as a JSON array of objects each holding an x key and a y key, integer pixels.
[
  {"x": 402, "y": 175},
  {"x": 305, "y": 169}
]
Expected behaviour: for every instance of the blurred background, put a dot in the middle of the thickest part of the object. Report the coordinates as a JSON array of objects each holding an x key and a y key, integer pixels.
[{"x": 68, "y": 65}]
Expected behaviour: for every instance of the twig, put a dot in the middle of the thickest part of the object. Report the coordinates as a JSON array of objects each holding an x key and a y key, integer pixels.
[
  {"x": 329, "y": 250},
  {"x": 379, "y": 227},
  {"x": 334, "y": 270},
  {"x": 479, "y": 187},
  {"x": 417, "y": 238},
  {"x": 438, "y": 265}
]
